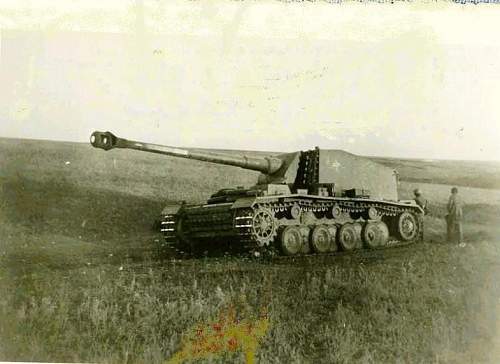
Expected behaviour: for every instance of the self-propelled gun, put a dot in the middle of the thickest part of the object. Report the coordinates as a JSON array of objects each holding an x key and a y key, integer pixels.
[{"x": 314, "y": 201}]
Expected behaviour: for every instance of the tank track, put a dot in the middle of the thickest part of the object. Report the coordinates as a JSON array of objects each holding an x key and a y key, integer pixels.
[
  {"x": 351, "y": 212},
  {"x": 169, "y": 229},
  {"x": 283, "y": 225}
]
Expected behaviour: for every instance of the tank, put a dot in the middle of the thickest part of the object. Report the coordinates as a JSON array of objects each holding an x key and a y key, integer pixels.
[{"x": 317, "y": 201}]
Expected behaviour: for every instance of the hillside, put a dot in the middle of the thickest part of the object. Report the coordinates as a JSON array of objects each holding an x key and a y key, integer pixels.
[
  {"x": 81, "y": 278},
  {"x": 481, "y": 174}
]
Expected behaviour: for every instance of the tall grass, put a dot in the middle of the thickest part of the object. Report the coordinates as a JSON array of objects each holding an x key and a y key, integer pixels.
[
  {"x": 429, "y": 303},
  {"x": 80, "y": 279}
]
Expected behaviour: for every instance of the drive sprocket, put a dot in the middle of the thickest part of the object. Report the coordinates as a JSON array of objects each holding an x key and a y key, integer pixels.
[{"x": 264, "y": 226}]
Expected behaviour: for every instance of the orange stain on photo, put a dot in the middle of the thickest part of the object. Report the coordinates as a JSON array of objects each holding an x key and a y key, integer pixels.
[{"x": 226, "y": 335}]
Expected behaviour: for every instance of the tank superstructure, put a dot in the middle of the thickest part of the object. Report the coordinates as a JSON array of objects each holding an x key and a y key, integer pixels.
[{"x": 315, "y": 201}]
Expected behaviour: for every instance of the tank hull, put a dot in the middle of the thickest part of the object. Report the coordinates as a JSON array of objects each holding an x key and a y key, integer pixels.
[{"x": 293, "y": 224}]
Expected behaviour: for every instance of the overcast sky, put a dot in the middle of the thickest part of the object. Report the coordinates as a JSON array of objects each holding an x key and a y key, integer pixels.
[{"x": 403, "y": 80}]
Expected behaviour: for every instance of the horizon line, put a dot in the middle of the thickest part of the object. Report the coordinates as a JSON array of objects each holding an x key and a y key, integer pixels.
[{"x": 270, "y": 151}]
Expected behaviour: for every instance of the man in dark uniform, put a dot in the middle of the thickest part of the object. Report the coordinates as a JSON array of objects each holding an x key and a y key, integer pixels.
[
  {"x": 420, "y": 200},
  {"x": 454, "y": 217}
]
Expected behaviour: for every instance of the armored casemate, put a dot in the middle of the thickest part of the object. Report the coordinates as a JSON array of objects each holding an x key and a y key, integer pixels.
[{"x": 315, "y": 201}]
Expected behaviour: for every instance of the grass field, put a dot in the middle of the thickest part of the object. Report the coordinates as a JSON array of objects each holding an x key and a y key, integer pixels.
[{"x": 81, "y": 278}]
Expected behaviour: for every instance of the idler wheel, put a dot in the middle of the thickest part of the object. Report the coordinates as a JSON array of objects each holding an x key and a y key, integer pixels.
[
  {"x": 321, "y": 239},
  {"x": 291, "y": 240},
  {"x": 347, "y": 238},
  {"x": 407, "y": 226}
]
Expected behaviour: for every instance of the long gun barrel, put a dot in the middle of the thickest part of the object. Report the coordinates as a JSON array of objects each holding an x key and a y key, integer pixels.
[{"x": 107, "y": 141}]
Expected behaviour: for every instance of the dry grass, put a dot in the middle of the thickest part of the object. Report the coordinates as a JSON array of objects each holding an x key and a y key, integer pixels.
[
  {"x": 421, "y": 304},
  {"x": 81, "y": 280}
]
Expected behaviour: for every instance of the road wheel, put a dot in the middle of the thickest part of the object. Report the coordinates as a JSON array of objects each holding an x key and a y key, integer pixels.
[
  {"x": 291, "y": 240},
  {"x": 384, "y": 233},
  {"x": 346, "y": 237},
  {"x": 321, "y": 239},
  {"x": 371, "y": 235}
]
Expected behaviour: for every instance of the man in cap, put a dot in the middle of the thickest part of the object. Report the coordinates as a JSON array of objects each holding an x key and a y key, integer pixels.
[
  {"x": 454, "y": 217},
  {"x": 420, "y": 200}
]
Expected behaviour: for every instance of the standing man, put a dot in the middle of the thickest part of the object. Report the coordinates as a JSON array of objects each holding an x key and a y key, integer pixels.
[
  {"x": 454, "y": 217},
  {"x": 420, "y": 200}
]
